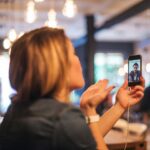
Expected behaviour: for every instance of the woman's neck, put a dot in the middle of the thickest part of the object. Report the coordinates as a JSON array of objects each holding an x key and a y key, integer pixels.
[{"x": 62, "y": 96}]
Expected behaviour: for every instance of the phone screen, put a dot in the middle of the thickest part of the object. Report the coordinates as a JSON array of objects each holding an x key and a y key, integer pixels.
[{"x": 134, "y": 70}]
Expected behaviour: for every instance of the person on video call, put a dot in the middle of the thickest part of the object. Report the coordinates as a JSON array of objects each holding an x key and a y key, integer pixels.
[
  {"x": 135, "y": 73},
  {"x": 43, "y": 70}
]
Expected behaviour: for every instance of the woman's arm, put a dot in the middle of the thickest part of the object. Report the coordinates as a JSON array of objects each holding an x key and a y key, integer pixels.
[
  {"x": 125, "y": 98},
  {"x": 98, "y": 92},
  {"x": 89, "y": 101},
  {"x": 109, "y": 118},
  {"x": 99, "y": 129},
  {"x": 94, "y": 127}
]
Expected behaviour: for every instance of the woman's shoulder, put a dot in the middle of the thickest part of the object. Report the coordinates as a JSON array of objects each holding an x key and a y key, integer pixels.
[
  {"x": 51, "y": 107},
  {"x": 46, "y": 105},
  {"x": 72, "y": 126},
  {"x": 71, "y": 112},
  {"x": 39, "y": 117}
]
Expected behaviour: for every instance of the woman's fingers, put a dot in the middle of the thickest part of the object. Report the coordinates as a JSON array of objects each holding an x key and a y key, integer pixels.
[
  {"x": 138, "y": 95},
  {"x": 138, "y": 87},
  {"x": 135, "y": 89},
  {"x": 104, "y": 93},
  {"x": 95, "y": 94},
  {"x": 98, "y": 87},
  {"x": 142, "y": 80},
  {"x": 100, "y": 83},
  {"x": 104, "y": 83},
  {"x": 95, "y": 98},
  {"x": 135, "y": 100},
  {"x": 91, "y": 87},
  {"x": 109, "y": 89}
]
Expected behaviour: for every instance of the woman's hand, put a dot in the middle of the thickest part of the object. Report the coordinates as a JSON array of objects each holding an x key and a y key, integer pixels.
[
  {"x": 127, "y": 97},
  {"x": 93, "y": 96}
]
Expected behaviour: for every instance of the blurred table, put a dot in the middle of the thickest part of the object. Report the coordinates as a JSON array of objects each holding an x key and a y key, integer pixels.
[{"x": 116, "y": 141}]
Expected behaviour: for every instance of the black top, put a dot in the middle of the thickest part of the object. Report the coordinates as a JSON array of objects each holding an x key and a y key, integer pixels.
[
  {"x": 145, "y": 102},
  {"x": 45, "y": 125}
]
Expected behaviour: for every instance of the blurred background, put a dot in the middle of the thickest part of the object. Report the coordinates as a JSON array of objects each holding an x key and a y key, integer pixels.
[{"x": 104, "y": 34}]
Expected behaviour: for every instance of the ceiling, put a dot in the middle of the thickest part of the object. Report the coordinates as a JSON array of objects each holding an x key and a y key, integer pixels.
[
  {"x": 134, "y": 29},
  {"x": 12, "y": 14}
]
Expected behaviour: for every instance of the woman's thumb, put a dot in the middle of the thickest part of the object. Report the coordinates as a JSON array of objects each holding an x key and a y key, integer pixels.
[{"x": 125, "y": 84}]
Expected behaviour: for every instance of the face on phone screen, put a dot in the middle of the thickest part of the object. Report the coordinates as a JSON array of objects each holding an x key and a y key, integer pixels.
[{"x": 134, "y": 71}]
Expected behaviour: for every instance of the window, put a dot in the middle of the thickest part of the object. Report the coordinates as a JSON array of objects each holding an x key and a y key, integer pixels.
[
  {"x": 107, "y": 65},
  {"x": 5, "y": 89}
]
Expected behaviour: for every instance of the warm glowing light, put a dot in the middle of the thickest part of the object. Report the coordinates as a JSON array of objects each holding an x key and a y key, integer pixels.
[
  {"x": 51, "y": 22},
  {"x": 20, "y": 34},
  {"x": 70, "y": 9},
  {"x": 31, "y": 12},
  {"x": 121, "y": 71},
  {"x": 37, "y": 1},
  {"x": 6, "y": 43},
  {"x": 148, "y": 67},
  {"x": 126, "y": 68},
  {"x": 12, "y": 35}
]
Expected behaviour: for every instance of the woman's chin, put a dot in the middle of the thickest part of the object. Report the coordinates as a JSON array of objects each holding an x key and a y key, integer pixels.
[{"x": 79, "y": 86}]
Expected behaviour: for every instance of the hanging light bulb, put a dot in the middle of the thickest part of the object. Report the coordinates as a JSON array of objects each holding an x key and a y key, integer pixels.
[
  {"x": 38, "y": 1},
  {"x": 6, "y": 43},
  {"x": 12, "y": 35},
  {"x": 31, "y": 12},
  {"x": 51, "y": 22},
  {"x": 125, "y": 68},
  {"x": 148, "y": 67},
  {"x": 20, "y": 34},
  {"x": 121, "y": 71},
  {"x": 70, "y": 9}
]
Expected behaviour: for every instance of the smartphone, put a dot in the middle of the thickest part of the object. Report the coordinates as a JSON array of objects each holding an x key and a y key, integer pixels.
[{"x": 134, "y": 69}]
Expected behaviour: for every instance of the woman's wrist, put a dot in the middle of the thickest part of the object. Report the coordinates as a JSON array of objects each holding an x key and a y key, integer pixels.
[
  {"x": 89, "y": 111},
  {"x": 92, "y": 119},
  {"x": 120, "y": 106}
]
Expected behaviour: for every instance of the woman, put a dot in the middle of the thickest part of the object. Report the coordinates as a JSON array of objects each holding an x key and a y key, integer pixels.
[{"x": 44, "y": 70}]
